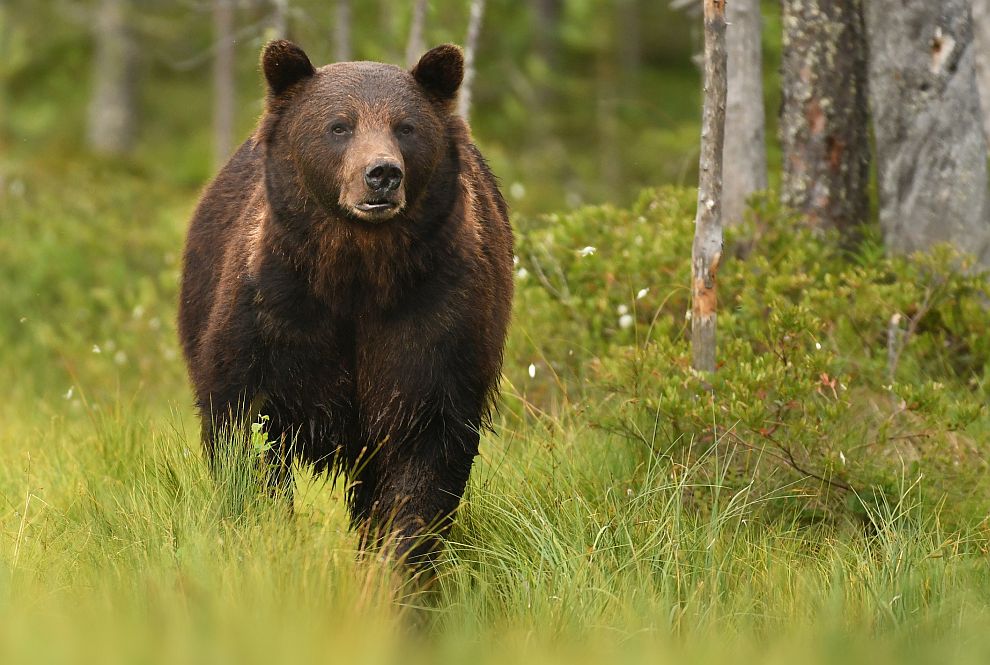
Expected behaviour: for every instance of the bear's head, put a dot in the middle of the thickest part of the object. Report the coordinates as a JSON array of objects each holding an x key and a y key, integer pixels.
[{"x": 363, "y": 139}]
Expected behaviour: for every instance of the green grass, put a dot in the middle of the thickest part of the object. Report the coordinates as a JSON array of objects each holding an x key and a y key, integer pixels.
[{"x": 624, "y": 512}]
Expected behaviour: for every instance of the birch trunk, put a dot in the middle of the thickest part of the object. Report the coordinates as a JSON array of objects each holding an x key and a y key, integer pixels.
[
  {"x": 931, "y": 151},
  {"x": 415, "y": 46},
  {"x": 223, "y": 81},
  {"x": 823, "y": 124},
  {"x": 470, "y": 51},
  {"x": 342, "y": 31},
  {"x": 745, "y": 124},
  {"x": 707, "y": 249},
  {"x": 112, "y": 120},
  {"x": 280, "y": 19}
]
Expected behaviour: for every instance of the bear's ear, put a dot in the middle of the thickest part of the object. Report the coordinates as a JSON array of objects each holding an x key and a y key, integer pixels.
[
  {"x": 284, "y": 64},
  {"x": 440, "y": 71}
]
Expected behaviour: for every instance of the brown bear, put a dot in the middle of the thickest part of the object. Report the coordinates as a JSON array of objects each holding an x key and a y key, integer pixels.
[{"x": 348, "y": 274}]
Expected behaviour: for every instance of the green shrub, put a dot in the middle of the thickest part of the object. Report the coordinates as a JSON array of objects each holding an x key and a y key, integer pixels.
[{"x": 841, "y": 372}]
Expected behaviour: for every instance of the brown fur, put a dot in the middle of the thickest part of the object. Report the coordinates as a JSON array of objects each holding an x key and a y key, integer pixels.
[{"x": 368, "y": 325}]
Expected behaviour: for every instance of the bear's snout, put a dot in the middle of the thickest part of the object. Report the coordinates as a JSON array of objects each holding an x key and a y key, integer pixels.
[
  {"x": 383, "y": 176},
  {"x": 375, "y": 187},
  {"x": 383, "y": 195}
]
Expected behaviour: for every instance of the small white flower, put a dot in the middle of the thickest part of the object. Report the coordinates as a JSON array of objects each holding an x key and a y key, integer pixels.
[
  {"x": 517, "y": 190},
  {"x": 532, "y": 371},
  {"x": 588, "y": 251},
  {"x": 120, "y": 357},
  {"x": 642, "y": 293},
  {"x": 96, "y": 348},
  {"x": 138, "y": 312},
  {"x": 626, "y": 321},
  {"x": 515, "y": 260},
  {"x": 818, "y": 346},
  {"x": 69, "y": 392},
  {"x": 522, "y": 273},
  {"x": 622, "y": 309},
  {"x": 842, "y": 457}
]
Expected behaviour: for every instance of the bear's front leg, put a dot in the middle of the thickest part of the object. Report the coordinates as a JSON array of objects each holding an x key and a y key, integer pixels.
[
  {"x": 416, "y": 486},
  {"x": 420, "y": 444}
]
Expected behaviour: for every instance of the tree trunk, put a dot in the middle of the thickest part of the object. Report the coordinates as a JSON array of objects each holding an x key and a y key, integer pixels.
[
  {"x": 223, "y": 81},
  {"x": 342, "y": 31},
  {"x": 416, "y": 45},
  {"x": 823, "y": 124},
  {"x": 112, "y": 119},
  {"x": 547, "y": 13},
  {"x": 981, "y": 37},
  {"x": 470, "y": 50},
  {"x": 745, "y": 133},
  {"x": 629, "y": 42},
  {"x": 707, "y": 249},
  {"x": 931, "y": 152},
  {"x": 280, "y": 19}
]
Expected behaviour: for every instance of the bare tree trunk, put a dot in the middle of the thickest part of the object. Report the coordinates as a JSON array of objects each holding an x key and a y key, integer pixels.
[
  {"x": 280, "y": 19},
  {"x": 981, "y": 38},
  {"x": 470, "y": 50},
  {"x": 629, "y": 42},
  {"x": 823, "y": 124},
  {"x": 415, "y": 46},
  {"x": 547, "y": 26},
  {"x": 113, "y": 106},
  {"x": 342, "y": 31},
  {"x": 745, "y": 133},
  {"x": 223, "y": 81},
  {"x": 707, "y": 249},
  {"x": 931, "y": 152}
]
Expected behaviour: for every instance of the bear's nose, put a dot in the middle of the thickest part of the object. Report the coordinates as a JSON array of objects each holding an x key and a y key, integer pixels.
[{"x": 383, "y": 176}]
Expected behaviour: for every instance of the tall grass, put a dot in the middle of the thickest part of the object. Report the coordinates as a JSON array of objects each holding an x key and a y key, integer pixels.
[{"x": 119, "y": 545}]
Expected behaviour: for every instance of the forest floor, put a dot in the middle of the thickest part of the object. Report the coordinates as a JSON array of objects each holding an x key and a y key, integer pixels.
[{"x": 822, "y": 499}]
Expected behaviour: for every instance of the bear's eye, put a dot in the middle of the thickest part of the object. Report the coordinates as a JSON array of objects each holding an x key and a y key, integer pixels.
[
  {"x": 405, "y": 129},
  {"x": 339, "y": 129}
]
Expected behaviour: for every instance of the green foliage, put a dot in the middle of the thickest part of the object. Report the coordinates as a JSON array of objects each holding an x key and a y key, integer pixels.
[
  {"x": 90, "y": 261},
  {"x": 815, "y": 381}
]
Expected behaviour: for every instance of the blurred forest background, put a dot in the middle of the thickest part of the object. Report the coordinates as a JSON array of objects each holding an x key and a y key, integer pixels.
[{"x": 574, "y": 102}]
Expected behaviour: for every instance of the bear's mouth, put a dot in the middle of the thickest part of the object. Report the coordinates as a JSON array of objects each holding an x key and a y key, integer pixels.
[
  {"x": 377, "y": 209},
  {"x": 376, "y": 206}
]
